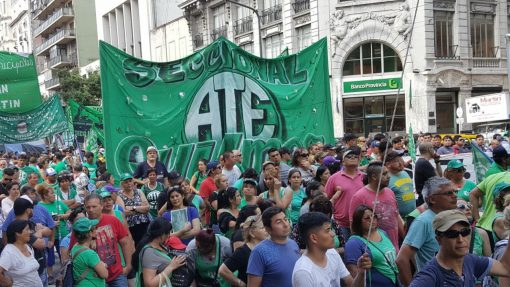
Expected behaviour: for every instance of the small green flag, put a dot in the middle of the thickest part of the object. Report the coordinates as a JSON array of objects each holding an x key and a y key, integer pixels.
[
  {"x": 411, "y": 147},
  {"x": 481, "y": 161}
]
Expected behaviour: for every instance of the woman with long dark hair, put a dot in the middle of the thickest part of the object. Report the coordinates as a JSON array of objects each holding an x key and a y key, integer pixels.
[
  {"x": 151, "y": 256},
  {"x": 228, "y": 201},
  {"x": 179, "y": 209},
  {"x": 384, "y": 271}
]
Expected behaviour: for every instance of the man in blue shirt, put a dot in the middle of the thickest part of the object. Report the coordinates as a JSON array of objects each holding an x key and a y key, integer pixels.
[
  {"x": 453, "y": 265},
  {"x": 272, "y": 261},
  {"x": 420, "y": 243}
]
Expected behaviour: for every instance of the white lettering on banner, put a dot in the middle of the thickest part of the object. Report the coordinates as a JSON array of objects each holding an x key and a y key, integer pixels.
[
  {"x": 10, "y": 104},
  {"x": 4, "y": 89},
  {"x": 227, "y": 83}
]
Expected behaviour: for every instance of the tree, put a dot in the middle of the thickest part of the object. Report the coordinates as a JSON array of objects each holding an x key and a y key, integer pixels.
[{"x": 84, "y": 90}]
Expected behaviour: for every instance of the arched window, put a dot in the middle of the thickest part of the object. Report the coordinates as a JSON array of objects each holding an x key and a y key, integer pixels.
[{"x": 372, "y": 58}]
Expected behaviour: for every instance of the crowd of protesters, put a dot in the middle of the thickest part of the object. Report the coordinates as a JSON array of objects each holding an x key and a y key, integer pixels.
[{"x": 359, "y": 212}]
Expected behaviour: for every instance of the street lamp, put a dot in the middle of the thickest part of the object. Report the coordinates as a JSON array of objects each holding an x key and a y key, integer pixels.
[{"x": 258, "y": 19}]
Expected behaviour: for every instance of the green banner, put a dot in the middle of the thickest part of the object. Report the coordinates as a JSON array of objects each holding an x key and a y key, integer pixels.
[
  {"x": 43, "y": 121},
  {"x": 481, "y": 161},
  {"x": 84, "y": 119},
  {"x": 19, "y": 88},
  {"x": 219, "y": 98},
  {"x": 372, "y": 85}
]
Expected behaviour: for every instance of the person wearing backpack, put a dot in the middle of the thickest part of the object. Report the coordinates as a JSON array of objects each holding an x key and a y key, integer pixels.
[{"x": 88, "y": 269}]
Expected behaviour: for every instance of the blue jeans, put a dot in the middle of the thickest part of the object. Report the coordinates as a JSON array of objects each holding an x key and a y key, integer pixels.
[
  {"x": 44, "y": 277},
  {"x": 120, "y": 281}
]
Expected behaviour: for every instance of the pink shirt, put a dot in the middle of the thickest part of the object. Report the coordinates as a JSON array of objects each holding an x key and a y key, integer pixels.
[
  {"x": 386, "y": 210},
  {"x": 349, "y": 187}
]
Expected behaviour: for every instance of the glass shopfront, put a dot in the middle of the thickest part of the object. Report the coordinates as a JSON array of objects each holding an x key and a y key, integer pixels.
[{"x": 372, "y": 114}]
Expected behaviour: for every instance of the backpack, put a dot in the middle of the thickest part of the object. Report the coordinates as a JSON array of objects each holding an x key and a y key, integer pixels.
[{"x": 68, "y": 271}]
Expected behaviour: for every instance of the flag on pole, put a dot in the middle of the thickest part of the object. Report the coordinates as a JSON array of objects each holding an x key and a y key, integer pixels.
[
  {"x": 481, "y": 161},
  {"x": 411, "y": 146}
]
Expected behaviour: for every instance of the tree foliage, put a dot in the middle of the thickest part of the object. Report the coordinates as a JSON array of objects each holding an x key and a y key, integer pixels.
[{"x": 84, "y": 90}]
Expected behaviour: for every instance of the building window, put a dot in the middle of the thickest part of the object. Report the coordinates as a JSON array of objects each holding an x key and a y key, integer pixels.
[
  {"x": 482, "y": 35},
  {"x": 364, "y": 115},
  {"x": 247, "y": 47},
  {"x": 303, "y": 37},
  {"x": 443, "y": 28},
  {"x": 273, "y": 46},
  {"x": 372, "y": 58},
  {"x": 243, "y": 12},
  {"x": 218, "y": 15}
]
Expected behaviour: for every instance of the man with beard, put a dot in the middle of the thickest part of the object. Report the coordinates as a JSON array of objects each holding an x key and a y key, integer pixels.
[{"x": 386, "y": 207}]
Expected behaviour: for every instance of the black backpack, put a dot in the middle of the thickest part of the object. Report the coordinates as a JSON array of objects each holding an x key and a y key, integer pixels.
[{"x": 68, "y": 271}]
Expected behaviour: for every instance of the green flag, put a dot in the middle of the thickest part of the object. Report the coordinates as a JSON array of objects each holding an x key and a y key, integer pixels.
[
  {"x": 219, "y": 98},
  {"x": 84, "y": 119},
  {"x": 411, "y": 146},
  {"x": 481, "y": 161},
  {"x": 43, "y": 121},
  {"x": 19, "y": 87}
]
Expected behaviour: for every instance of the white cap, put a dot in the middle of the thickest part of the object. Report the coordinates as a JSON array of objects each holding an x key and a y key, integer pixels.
[{"x": 27, "y": 198}]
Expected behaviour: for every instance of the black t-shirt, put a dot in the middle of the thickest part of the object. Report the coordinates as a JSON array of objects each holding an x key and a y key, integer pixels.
[
  {"x": 239, "y": 262},
  {"x": 237, "y": 236},
  {"x": 141, "y": 171},
  {"x": 39, "y": 254},
  {"x": 214, "y": 213},
  {"x": 423, "y": 170}
]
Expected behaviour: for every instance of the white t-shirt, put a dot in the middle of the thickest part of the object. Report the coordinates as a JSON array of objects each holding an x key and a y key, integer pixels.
[
  {"x": 22, "y": 269},
  {"x": 308, "y": 274},
  {"x": 7, "y": 205},
  {"x": 232, "y": 175}
]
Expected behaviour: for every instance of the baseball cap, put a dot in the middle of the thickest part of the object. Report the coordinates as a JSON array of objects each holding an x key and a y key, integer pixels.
[
  {"x": 375, "y": 144},
  {"x": 101, "y": 150},
  {"x": 212, "y": 165},
  {"x": 500, "y": 151},
  {"x": 104, "y": 194},
  {"x": 392, "y": 155},
  {"x": 152, "y": 148},
  {"x": 267, "y": 163},
  {"x": 50, "y": 172},
  {"x": 27, "y": 198},
  {"x": 454, "y": 163},
  {"x": 328, "y": 147},
  {"x": 175, "y": 243},
  {"x": 250, "y": 181},
  {"x": 329, "y": 160},
  {"x": 125, "y": 176},
  {"x": 83, "y": 224},
  {"x": 498, "y": 188},
  {"x": 444, "y": 220}
]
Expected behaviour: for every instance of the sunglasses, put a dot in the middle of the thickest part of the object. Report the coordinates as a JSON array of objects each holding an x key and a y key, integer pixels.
[
  {"x": 304, "y": 154},
  {"x": 455, "y": 233},
  {"x": 448, "y": 193},
  {"x": 462, "y": 206},
  {"x": 458, "y": 170}
]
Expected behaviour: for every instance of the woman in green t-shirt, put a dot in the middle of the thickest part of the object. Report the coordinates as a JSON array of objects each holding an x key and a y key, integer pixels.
[
  {"x": 199, "y": 176},
  {"x": 455, "y": 173},
  {"x": 88, "y": 269}
]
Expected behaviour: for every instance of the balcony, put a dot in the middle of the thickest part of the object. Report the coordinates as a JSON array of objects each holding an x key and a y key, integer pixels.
[
  {"x": 243, "y": 25},
  {"x": 56, "y": 20},
  {"x": 486, "y": 63},
  {"x": 301, "y": 6},
  {"x": 272, "y": 15},
  {"x": 198, "y": 41},
  {"x": 219, "y": 31},
  {"x": 62, "y": 61},
  {"x": 449, "y": 54},
  {"x": 61, "y": 37},
  {"x": 52, "y": 84},
  {"x": 42, "y": 11}
]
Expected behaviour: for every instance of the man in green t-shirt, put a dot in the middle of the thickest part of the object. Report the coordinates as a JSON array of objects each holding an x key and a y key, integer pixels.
[
  {"x": 90, "y": 164},
  {"x": 485, "y": 189},
  {"x": 59, "y": 164}
]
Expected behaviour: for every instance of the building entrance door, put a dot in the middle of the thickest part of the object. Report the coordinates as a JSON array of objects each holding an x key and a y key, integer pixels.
[{"x": 446, "y": 103}]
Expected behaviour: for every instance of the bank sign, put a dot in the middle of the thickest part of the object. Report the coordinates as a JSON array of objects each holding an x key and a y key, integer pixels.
[
  {"x": 376, "y": 85},
  {"x": 19, "y": 88},
  {"x": 494, "y": 107},
  {"x": 219, "y": 98}
]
